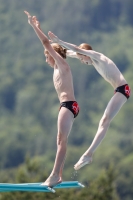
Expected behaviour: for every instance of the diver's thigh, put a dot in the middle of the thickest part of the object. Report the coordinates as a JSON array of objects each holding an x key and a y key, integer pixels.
[
  {"x": 65, "y": 120},
  {"x": 115, "y": 104}
]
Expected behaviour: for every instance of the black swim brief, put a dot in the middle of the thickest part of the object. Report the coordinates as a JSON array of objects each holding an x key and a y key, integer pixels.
[
  {"x": 124, "y": 89},
  {"x": 72, "y": 106}
]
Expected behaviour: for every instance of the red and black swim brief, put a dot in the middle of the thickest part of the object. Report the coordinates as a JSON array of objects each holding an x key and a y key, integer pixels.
[
  {"x": 124, "y": 89},
  {"x": 72, "y": 106}
]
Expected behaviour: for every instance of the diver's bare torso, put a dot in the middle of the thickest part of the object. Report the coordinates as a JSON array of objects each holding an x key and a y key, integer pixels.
[
  {"x": 108, "y": 70},
  {"x": 105, "y": 67},
  {"x": 63, "y": 84}
]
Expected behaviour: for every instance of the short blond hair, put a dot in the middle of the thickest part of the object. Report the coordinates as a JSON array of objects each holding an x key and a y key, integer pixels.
[
  {"x": 59, "y": 50},
  {"x": 85, "y": 46}
]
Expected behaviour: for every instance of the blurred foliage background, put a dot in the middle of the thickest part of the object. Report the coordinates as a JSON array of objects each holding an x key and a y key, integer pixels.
[{"x": 29, "y": 104}]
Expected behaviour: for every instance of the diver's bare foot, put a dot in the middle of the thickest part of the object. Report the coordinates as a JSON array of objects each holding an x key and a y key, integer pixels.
[
  {"x": 52, "y": 180},
  {"x": 84, "y": 160}
]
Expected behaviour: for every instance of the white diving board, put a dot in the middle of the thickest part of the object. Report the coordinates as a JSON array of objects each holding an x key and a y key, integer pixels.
[{"x": 37, "y": 187}]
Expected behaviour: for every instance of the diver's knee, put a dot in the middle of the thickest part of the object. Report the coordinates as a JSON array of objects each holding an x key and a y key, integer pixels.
[
  {"x": 105, "y": 120},
  {"x": 61, "y": 139}
]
